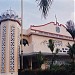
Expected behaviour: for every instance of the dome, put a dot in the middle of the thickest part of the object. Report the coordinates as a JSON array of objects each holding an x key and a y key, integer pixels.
[
  {"x": 9, "y": 14},
  {"x": 3, "y": 16}
]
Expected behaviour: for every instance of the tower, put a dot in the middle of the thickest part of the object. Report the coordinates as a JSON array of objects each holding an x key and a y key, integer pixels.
[{"x": 10, "y": 29}]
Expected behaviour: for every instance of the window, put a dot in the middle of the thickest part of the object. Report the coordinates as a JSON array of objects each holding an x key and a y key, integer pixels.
[
  {"x": 62, "y": 48},
  {"x": 57, "y": 29}
]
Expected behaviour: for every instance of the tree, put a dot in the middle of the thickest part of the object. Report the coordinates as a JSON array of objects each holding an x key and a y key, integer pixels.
[
  {"x": 71, "y": 53},
  {"x": 71, "y": 28},
  {"x": 44, "y": 6},
  {"x": 51, "y": 46},
  {"x": 40, "y": 59}
]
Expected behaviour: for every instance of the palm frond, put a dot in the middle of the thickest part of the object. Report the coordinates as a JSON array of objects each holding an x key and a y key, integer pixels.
[
  {"x": 71, "y": 28},
  {"x": 71, "y": 51},
  {"x": 72, "y": 32},
  {"x": 73, "y": 46},
  {"x": 44, "y": 6}
]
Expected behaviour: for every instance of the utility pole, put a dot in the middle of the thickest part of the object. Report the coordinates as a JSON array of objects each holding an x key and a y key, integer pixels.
[{"x": 21, "y": 34}]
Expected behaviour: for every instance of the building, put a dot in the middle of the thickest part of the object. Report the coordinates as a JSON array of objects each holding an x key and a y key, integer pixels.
[
  {"x": 9, "y": 43},
  {"x": 37, "y": 37}
]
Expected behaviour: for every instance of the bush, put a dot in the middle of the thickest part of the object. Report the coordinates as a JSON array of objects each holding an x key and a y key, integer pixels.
[{"x": 46, "y": 72}]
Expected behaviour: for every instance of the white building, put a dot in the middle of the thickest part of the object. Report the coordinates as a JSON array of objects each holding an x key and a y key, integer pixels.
[{"x": 37, "y": 37}]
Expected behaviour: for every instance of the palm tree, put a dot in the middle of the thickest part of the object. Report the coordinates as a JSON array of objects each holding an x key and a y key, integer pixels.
[
  {"x": 71, "y": 28},
  {"x": 44, "y": 6},
  {"x": 51, "y": 46},
  {"x": 71, "y": 53}
]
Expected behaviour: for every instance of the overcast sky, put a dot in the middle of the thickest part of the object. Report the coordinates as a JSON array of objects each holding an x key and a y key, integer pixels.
[{"x": 64, "y": 10}]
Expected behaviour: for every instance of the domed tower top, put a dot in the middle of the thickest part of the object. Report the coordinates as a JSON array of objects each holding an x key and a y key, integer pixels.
[{"x": 9, "y": 15}]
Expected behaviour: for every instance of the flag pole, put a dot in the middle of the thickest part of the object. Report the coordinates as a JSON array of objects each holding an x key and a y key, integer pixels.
[{"x": 21, "y": 34}]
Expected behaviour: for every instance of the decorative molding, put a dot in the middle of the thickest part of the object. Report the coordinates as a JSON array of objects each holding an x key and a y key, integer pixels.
[
  {"x": 43, "y": 33},
  {"x": 12, "y": 48},
  {"x": 3, "y": 52},
  {"x": 49, "y": 24},
  {"x": 11, "y": 20}
]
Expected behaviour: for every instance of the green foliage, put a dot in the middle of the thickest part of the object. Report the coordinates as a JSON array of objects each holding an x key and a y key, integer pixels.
[
  {"x": 44, "y": 6},
  {"x": 71, "y": 28},
  {"x": 40, "y": 59},
  {"x": 72, "y": 32},
  {"x": 56, "y": 51},
  {"x": 51, "y": 45},
  {"x": 71, "y": 51},
  {"x": 46, "y": 72},
  {"x": 55, "y": 67},
  {"x": 55, "y": 70}
]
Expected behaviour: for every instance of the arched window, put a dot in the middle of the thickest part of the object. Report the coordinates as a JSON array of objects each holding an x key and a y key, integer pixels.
[{"x": 24, "y": 42}]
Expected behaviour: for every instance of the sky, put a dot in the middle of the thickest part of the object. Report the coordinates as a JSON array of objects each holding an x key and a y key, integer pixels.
[{"x": 63, "y": 9}]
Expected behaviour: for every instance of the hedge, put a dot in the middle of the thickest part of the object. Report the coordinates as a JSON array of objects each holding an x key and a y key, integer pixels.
[{"x": 45, "y": 72}]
